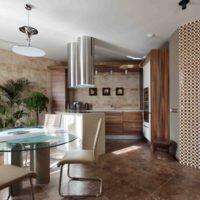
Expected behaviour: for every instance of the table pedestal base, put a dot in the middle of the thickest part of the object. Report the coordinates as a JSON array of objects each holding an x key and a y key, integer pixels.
[{"x": 40, "y": 163}]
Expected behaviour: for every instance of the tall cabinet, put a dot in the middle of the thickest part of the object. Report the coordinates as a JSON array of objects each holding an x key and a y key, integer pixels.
[
  {"x": 158, "y": 85},
  {"x": 60, "y": 92}
]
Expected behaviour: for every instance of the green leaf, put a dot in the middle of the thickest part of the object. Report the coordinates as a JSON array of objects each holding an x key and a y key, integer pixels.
[{"x": 37, "y": 102}]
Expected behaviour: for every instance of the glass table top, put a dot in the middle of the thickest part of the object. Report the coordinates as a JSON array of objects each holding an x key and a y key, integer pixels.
[{"x": 26, "y": 139}]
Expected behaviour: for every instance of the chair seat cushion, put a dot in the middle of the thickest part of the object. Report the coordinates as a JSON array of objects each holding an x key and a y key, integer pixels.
[
  {"x": 10, "y": 174},
  {"x": 78, "y": 156}
]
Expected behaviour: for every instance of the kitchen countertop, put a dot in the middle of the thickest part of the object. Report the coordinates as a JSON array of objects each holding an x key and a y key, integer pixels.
[
  {"x": 101, "y": 110},
  {"x": 114, "y": 110}
]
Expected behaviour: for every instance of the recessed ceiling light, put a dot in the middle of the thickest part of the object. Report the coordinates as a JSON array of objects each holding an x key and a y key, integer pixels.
[
  {"x": 150, "y": 35},
  {"x": 135, "y": 58}
]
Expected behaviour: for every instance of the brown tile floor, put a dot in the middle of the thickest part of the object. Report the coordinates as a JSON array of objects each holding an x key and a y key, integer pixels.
[{"x": 130, "y": 172}]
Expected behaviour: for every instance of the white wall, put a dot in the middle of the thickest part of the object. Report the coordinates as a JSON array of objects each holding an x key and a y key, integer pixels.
[{"x": 174, "y": 89}]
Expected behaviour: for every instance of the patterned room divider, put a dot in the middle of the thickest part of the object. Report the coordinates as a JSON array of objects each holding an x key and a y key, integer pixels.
[{"x": 189, "y": 93}]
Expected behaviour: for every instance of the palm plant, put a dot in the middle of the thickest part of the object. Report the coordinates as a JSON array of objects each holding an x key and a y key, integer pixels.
[
  {"x": 36, "y": 102},
  {"x": 11, "y": 101}
]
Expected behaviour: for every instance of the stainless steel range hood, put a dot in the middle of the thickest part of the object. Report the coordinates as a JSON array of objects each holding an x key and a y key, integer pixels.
[
  {"x": 81, "y": 63},
  {"x": 85, "y": 69},
  {"x": 72, "y": 64}
]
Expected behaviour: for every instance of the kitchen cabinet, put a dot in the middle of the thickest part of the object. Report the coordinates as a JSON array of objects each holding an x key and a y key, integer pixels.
[
  {"x": 147, "y": 100},
  {"x": 158, "y": 61},
  {"x": 123, "y": 123},
  {"x": 132, "y": 123},
  {"x": 113, "y": 122}
]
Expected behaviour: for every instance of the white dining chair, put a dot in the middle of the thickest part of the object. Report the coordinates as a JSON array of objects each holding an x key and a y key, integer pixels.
[
  {"x": 82, "y": 156},
  {"x": 10, "y": 174},
  {"x": 52, "y": 120}
]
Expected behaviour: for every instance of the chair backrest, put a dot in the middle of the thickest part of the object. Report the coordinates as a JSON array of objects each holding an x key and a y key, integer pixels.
[
  {"x": 52, "y": 120},
  {"x": 99, "y": 125},
  {"x": 11, "y": 174}
]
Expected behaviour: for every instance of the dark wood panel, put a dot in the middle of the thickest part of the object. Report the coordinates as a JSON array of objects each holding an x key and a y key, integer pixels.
[
  {"x": 132, "y": 116},
  {"x": 132, "y": 123},
  {"x": 123, "y": 123},
  {"x": 114, "y": 129},
  {"x": 113, "y": 117},
  {"x": 132, "y": 128},
  {"x": 165, "y": 94},
  {"x": 113, "y": 123},
  {"x": 60, "y": 93},
  {"x": 119, "y": 66},
  {"x": 160, "y": 95}
]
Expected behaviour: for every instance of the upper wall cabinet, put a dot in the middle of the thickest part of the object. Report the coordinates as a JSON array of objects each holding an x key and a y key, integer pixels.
[{"x": 159, "y": 96}]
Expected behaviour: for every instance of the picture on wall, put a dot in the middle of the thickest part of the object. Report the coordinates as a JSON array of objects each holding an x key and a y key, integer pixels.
[
  {"x": 106, "y": 91},
  {"x": 120, "y": 91},
  {"x": 93, "y": 91}
]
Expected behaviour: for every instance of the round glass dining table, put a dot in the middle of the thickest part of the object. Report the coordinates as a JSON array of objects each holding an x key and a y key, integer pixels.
[{"x": 37, "y": 140}]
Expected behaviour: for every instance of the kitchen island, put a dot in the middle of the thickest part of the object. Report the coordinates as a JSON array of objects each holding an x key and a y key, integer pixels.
[{"x": 84, "y": 126}]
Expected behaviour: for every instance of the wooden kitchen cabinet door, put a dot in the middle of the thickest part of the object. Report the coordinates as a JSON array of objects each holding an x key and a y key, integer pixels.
[
  {"x": 132, "y": 116},
  {"x": 132, "y": 128},
  {"x": 113, "y": 123},
  {"x": 132, "y": 123}
]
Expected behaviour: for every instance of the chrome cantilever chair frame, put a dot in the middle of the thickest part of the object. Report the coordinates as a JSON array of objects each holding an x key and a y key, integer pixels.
[
  {"x": 80, "y": 179},
  {"x": 62, "y": 163},
  {"x": 32, "y": 191}
]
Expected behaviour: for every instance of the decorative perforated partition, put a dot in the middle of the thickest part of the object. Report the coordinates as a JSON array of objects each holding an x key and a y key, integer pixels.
[{"x": 189, "y": 96}]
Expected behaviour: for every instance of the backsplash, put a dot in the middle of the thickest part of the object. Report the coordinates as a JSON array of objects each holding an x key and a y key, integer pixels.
[{"x": 130, "y": 99}]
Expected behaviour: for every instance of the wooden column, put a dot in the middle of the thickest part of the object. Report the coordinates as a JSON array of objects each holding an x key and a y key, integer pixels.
[
  {"x": 159, "y": 90},
  {"x": 60, "y": 91}
]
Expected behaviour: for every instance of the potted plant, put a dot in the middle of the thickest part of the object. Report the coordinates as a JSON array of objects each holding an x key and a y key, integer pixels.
[
  {"x": 11, "y": 101},
  {"x": 36, "y": 102}
]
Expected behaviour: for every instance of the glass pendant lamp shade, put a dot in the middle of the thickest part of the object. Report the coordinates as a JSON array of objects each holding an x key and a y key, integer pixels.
[
  {"x": 28, "y": 51},
  {"x": 85, "y": 68},
  {"x": 72, "y": 65}
]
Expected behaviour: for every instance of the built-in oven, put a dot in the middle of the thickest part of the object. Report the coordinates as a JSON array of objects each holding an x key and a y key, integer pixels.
[
  {"x": 146, "y": 116},
  {"x": 146, "y": 94},
  {"x": 146, "y": 104}
]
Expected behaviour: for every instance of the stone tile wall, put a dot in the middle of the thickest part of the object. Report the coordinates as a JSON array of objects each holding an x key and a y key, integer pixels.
[
  {"x": 130, "y": 99},
  {"x": 13, "y": 66}
]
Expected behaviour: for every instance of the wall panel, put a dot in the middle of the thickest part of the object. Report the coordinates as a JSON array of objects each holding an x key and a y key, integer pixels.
[{"x": 189, "y": 93}]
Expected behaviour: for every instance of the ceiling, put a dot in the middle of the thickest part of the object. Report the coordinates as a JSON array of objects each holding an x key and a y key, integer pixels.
[{"x": 119, "y": 26}]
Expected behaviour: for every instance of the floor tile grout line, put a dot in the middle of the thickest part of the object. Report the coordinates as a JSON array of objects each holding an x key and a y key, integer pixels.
[{"x": 162, "y": 185}]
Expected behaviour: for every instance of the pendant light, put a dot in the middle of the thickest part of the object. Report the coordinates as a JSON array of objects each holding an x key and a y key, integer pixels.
[{"x": 28, "y": 50}]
